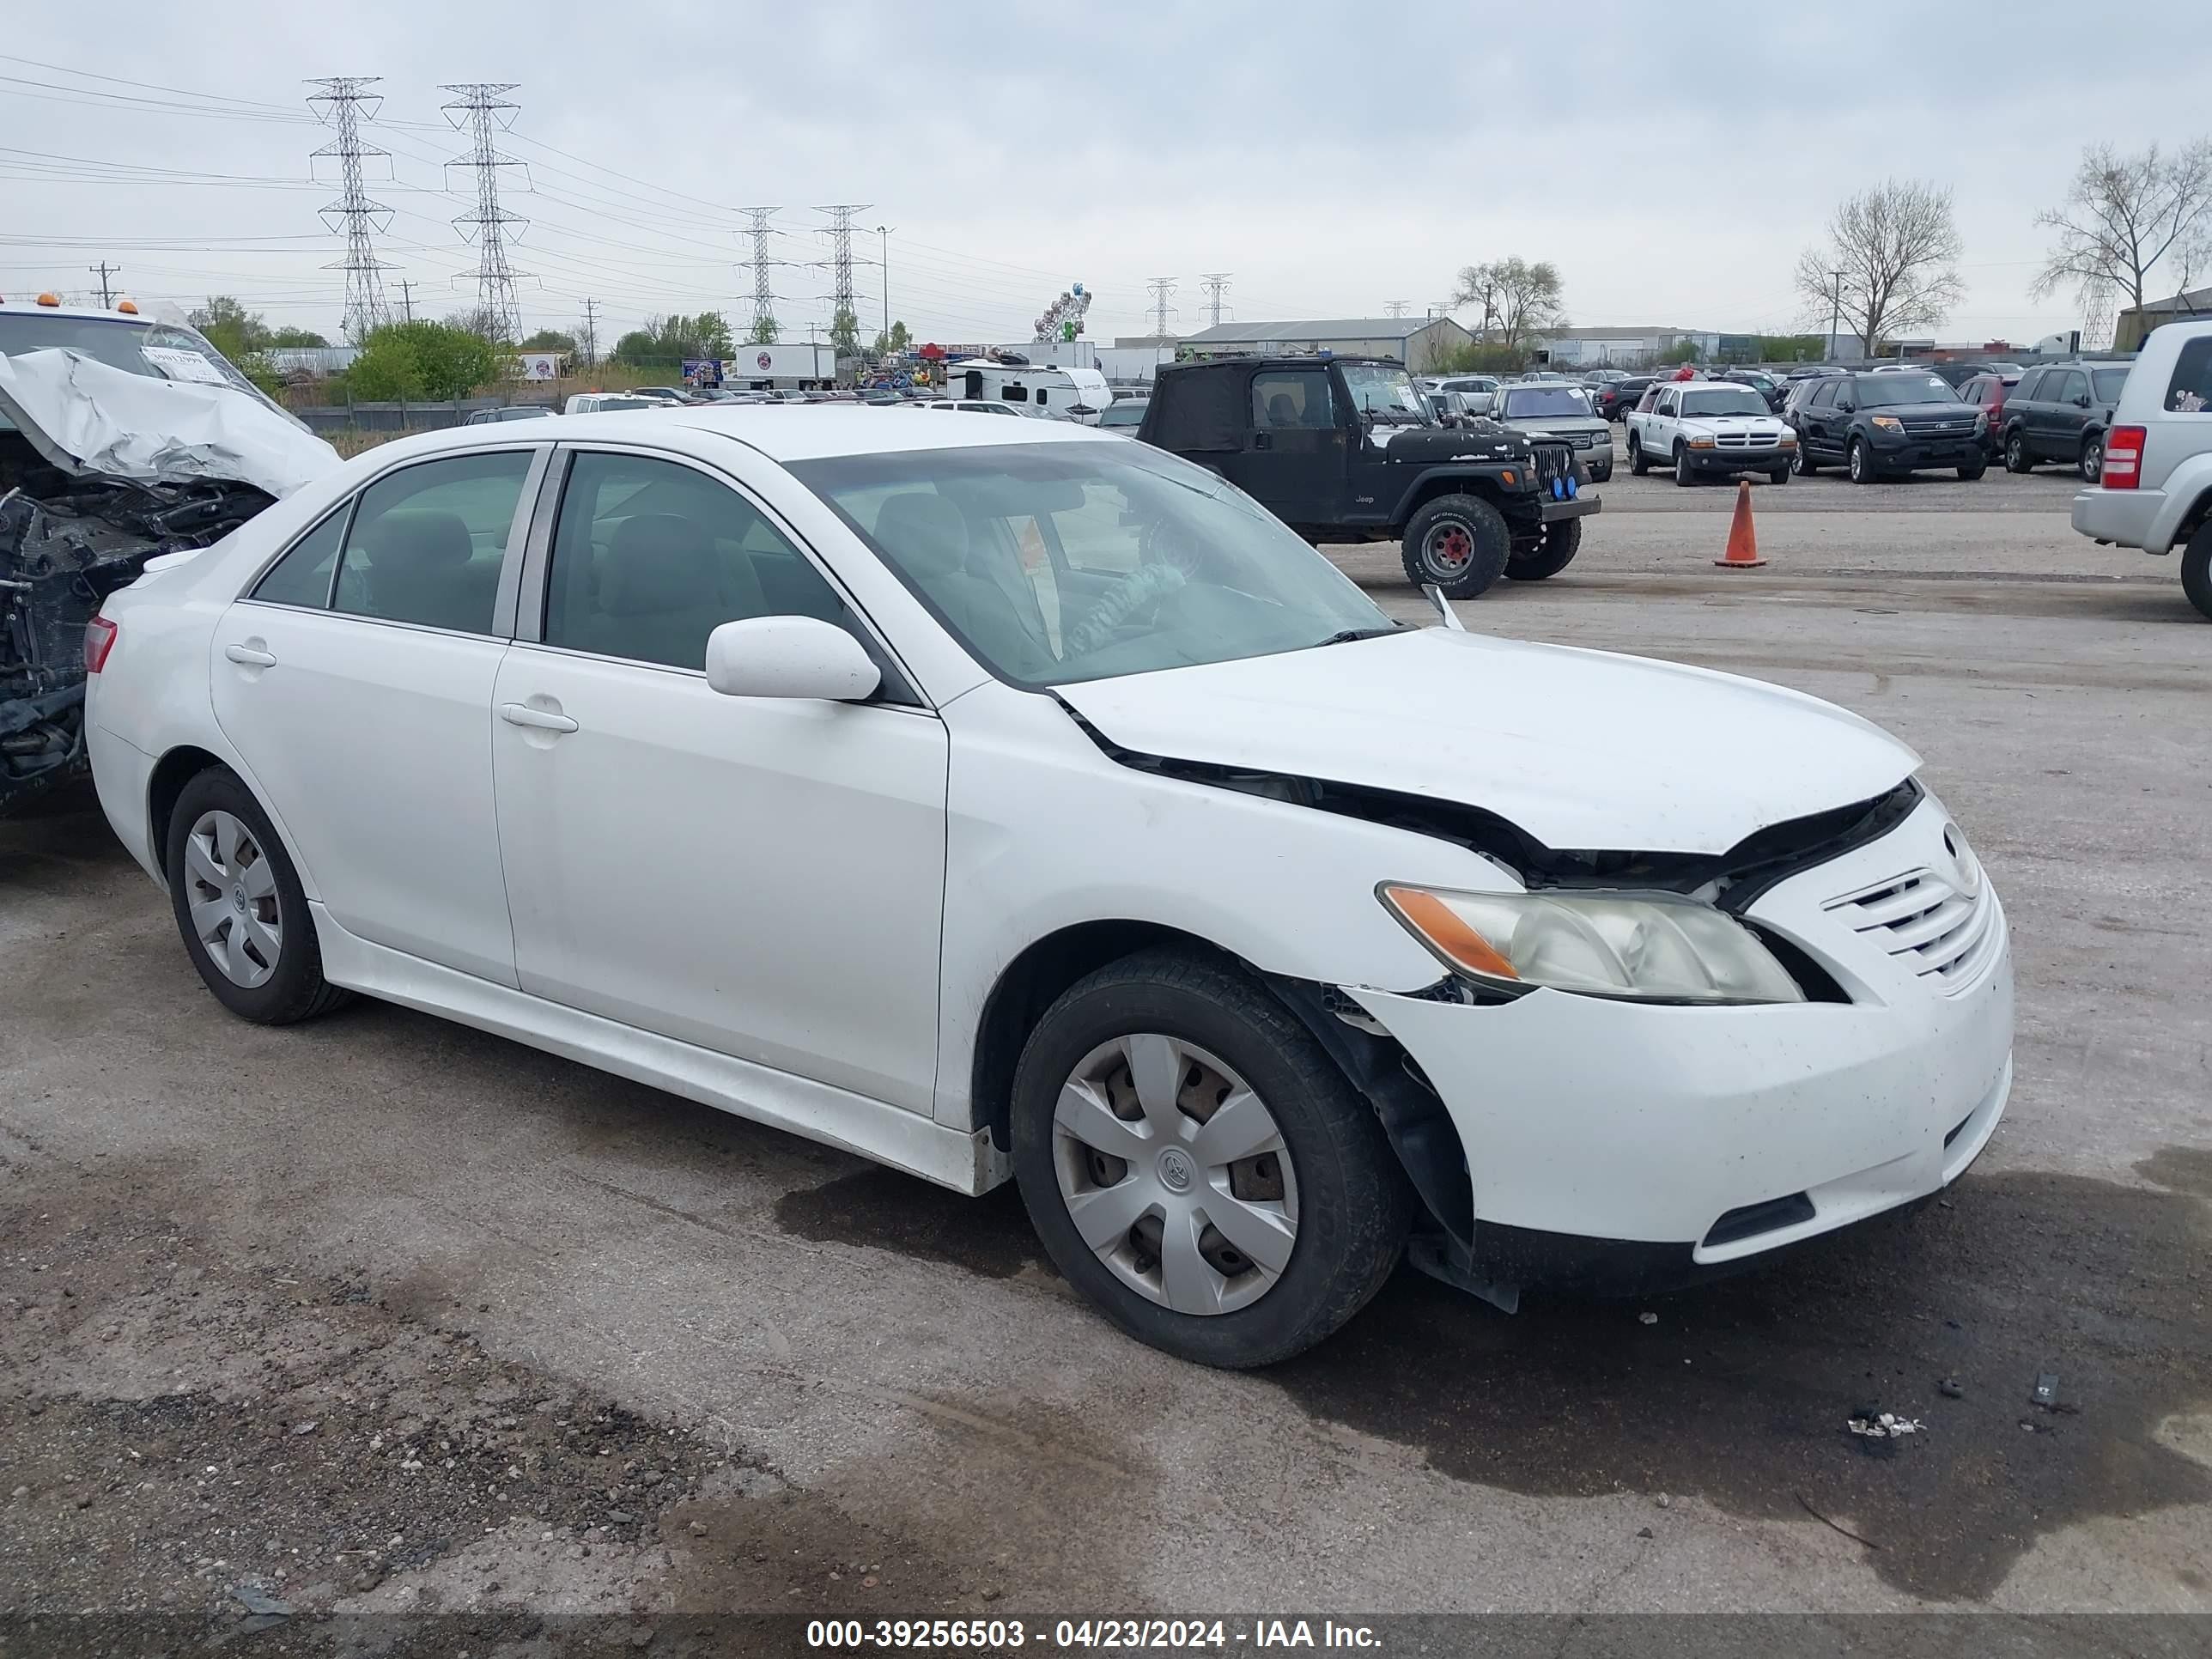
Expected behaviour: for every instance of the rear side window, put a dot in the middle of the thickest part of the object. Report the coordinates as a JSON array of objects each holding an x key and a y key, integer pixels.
[
  {"x": 302, "y": 576},
  {"x": 428, "y": 541},
  {"x": 1201, "y": 411},
  {"x": 2107, "y": 383},
  {"x": 2189, "y": 391}
]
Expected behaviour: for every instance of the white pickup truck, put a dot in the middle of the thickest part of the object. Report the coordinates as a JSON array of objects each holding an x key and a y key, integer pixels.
[{"x": 1709, "y": 426}]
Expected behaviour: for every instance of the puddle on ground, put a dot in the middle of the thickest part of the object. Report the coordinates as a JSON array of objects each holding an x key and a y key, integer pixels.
[{"x": 1739, "y": 1395}]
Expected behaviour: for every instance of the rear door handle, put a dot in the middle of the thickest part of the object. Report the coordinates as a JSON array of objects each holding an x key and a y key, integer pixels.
[
  {"x": 521, "y": 713},
  {"x": 249, "y": 656}
]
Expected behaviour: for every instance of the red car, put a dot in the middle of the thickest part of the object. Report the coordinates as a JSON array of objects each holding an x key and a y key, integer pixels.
[{"x": 1986, "y": 391}]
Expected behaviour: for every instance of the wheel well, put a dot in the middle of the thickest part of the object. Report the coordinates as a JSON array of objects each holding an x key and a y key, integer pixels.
[
  {"x": 1031, "y": 983},
  {"x": 171, "y": 774},
  {"x": 2193, "y": 520},
  {"x": 1483, "y": 489}
]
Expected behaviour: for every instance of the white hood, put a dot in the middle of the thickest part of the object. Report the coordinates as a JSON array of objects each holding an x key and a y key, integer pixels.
[
  {"x": 83, "y": 416},
  {"x": 1583, "y": 749}
]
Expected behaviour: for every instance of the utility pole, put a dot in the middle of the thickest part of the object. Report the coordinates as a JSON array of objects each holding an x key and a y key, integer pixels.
[
  {"x": 407, "y": 299},
  {"x": 345, "y": 103},
  {"x": 484, "y": 105},
  {"x": 839, "y": 233},
  {"x": 1399, "y": 307},
  {"x": 591, "y": 332},
  {"x": 884, "y": 233},
  {"x": 1162, "y": 288},
  {"x": 765, "y": 327},
  {"x": 1215, "y": 283},
  {"x": 1835, "y": 309},
  {"x": 104, "y": 270}
]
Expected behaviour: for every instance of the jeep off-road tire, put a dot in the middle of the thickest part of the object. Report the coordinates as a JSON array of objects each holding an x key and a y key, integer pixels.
[
  {"x": 1124, "y": 1062},
  {"x": 1562, "y": 541},
  {"x": 1460, "y": 543},
  {"x": 2196, "y": 569}
]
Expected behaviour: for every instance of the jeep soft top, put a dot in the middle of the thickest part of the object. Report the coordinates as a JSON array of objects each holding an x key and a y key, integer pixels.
[{"x": 1345, "y": 449}]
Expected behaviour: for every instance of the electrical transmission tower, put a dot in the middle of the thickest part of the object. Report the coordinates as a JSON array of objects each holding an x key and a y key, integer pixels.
[
  {"x": 2097, "y": 318},
  {"x": 1162, "y": 288},
  {"x": 483, "y": 106},
  {"x": 344, "y": 103},
  {"x": 1399, "y": 307},
  {"x": 844, "y": 316},
  {"x": 1216, "y": 283},
  {"x": 765, "y": 326}
]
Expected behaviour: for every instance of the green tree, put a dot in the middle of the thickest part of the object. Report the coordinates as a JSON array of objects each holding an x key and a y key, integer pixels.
[
  {"x": 297, "y": 336},
  {"x": 230, "y": 328},
  {"x": 897, "y": 340},
  {"x": 766, "y": 330},
  {"x": 549, "y": 339},
  {"x": 638, "y": 349},
  {"x": 423, "y": 360},
  {"x": 387, "y": 370},
  {"x": 845, "y": 332},
  {"x": 1514, "y": 300}
]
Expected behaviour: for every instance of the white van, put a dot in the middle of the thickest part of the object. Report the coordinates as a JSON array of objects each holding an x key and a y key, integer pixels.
[{"x": 1040, "y": 389}]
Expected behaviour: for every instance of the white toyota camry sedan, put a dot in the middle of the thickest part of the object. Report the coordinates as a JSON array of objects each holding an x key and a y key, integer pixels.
[{"x": 1003, "y": 800}]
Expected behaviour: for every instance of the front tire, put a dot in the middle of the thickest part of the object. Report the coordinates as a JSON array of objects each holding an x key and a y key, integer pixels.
[
  {"x": 1460, "y": 543},
  {"x": 240, "y": 905},
  {"x": 1562, "y": 541},
  {"x": 1603, "y": 474},
  {"x": 2092, "y": 458},
  {"x": 1197, "y": 1165},
  {"x": 2197, "y": 570},
  {"x": 1802, "y": 462},
  {"x": 1972, "y": 469},
  {"x": 2016, "y": 457},
  {"x": 1638, "y": 464},
  {"x": 1861, "y": 464},
  {"x": 1685, "y": 474},
  {"x": 1779, "y": 475}
]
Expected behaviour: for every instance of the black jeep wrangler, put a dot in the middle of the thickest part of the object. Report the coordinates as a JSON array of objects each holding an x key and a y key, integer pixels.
[{"x": 1344, "y": 449}]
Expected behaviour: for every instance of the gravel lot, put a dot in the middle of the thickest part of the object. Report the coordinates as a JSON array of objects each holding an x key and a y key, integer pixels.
[{"x": 383, "y": 1314}]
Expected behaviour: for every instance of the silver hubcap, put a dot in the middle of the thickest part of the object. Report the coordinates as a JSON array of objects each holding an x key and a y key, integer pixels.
[
  {"x": 1175, "y": 1172},
  {"x": 232, "y": 890}
]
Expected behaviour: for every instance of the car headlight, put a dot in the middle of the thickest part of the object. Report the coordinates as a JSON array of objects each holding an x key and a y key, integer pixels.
[
  {"x": 1887, "y": 423},
  {"x": 1787, "y": 441},
  {"x": 1701, "y": 443},
  {"x": 1982, "y": 421},
  {"x": 1653, "y": 946}
]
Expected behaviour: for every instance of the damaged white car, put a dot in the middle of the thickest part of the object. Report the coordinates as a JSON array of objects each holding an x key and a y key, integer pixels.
[
  {"x": 998, "y": 800},
  {"x": 121, "y": 438}
]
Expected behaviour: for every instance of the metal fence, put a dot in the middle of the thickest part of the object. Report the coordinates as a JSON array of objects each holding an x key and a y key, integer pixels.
[{"x": 403, "y": 416}]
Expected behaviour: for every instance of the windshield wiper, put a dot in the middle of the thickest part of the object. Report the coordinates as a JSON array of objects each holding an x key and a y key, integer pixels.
[{"x": 1346, "y": 635}]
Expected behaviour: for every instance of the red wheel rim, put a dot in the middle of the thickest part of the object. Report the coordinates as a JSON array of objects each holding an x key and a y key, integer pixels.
[{"x": 1451, "y": 546}]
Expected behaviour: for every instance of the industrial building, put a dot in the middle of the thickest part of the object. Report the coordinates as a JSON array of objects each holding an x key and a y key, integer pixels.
[
  {"x": 1422, "y": 343},
  {"x": 2131, "y": 325}
]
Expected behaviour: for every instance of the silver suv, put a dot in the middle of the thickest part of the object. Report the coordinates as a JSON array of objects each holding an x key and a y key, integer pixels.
[{"x": 2155, "y": 488}]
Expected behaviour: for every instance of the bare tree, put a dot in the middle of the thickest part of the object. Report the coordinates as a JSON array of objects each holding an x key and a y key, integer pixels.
[
  {"x": 2124, "y": 214},
  {"x": 1516, "y": 300},
  {"x": 1891, "y": 261}
]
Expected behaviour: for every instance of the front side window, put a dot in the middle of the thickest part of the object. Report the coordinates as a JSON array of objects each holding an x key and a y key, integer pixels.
[
  {"x": 2067, "y": 387},
  {"x": 649, "y": 557},
  {"x": 1293, "y": 397},
  {"x": 428, "y": 541},
  {"x": 1054, "y": 563},
  {"x": 302, "y": 576}
]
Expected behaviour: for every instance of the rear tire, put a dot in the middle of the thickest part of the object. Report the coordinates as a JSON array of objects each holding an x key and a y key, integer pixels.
[
  {"x": 1348, "y": 1201},
  {"x": 1638, "y": 464},
  {"x": 252, "y": 892},
  {"x": 2016, "y": 457},
  {"x": 1460, "y": 543},
  {"x": 2197, "y": 570},
  {"x": 1562, "y": 541}
]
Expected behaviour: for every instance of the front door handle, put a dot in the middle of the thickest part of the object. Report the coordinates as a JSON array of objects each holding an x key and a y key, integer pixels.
[
  {"x": 249, "y": 656},
  {"x": 521, "y": 713},
  {"x": 1263, "y": 440}
]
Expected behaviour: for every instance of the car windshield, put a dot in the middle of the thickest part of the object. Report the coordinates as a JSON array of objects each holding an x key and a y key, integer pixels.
[
  {"x": 2109, "y": 382},
  {"x": 1877, "y": 390},
  {"x": 1723, "y": 400},
  {"x": 1521, "y": 400},
  {"x": 1384, "y": 392},
  {"x": 158, "y": 350},
  {"x": 1065, "y": 561}
]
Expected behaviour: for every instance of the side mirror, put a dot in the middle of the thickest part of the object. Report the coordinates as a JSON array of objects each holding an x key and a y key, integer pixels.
[{"x": 789, "y": 656}]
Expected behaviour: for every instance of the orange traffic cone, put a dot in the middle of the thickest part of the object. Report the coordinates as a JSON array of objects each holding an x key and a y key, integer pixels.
[{"x": 1742, "y": 542}]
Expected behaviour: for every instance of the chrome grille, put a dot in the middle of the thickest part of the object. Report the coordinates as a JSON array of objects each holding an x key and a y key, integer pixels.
[
  {"x": 1582, "y": 440},
  {"x": 1745, "y": 441},
  {"x": 1939, "y": 926}
]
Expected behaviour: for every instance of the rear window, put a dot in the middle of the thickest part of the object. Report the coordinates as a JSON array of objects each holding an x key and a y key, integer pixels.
[{"x": 2189, "y": 391}]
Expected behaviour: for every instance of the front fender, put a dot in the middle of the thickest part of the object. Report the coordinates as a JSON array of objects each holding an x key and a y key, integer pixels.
[{"x": 1418, "y": 489}]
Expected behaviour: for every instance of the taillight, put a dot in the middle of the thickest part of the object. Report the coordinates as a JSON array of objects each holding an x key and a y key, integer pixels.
[
  {"x": 2124, "y": 448},
  {"x": 99, "y": 639}
]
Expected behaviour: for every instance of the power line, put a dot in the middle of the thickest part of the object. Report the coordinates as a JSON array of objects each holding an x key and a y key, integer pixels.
[
  {"x": 1162, "y": 288},
  {"x": 485, "y": 105},
  {"x": 341, "y": 104},
  {"x": 1216, "y": 283}
]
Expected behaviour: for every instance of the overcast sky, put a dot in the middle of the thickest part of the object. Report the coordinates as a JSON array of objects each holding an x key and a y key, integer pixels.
[{"x": 1333, "y": 157}]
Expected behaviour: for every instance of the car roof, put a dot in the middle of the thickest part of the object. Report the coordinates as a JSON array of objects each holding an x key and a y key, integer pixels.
[
  {"x": 780, "y": 432},
  {"x": 27, "y": 302}
]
